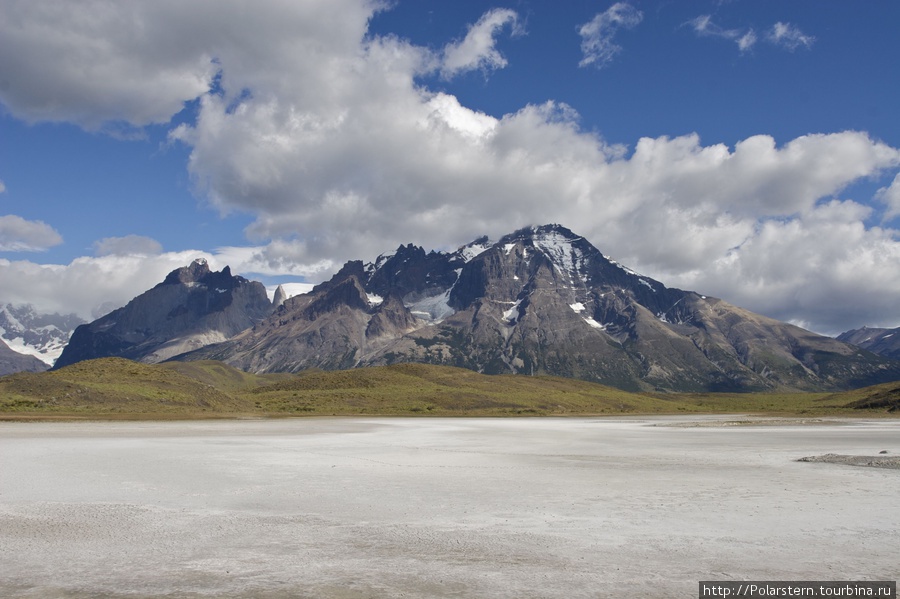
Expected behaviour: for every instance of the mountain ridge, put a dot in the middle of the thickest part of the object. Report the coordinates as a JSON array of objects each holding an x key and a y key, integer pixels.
[
  {"x": 191, "y": 308},
  {"x": 881, "y": 341},
  {"x": 541, "y": 300}
]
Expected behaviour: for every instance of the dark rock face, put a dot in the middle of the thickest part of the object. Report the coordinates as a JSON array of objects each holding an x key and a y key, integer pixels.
[
  {"x": 542, "y": 300},
  {"x": 191, "y": 308},
  {"x": 884, "y": 342},
  {"x": 12, "y": 361}
]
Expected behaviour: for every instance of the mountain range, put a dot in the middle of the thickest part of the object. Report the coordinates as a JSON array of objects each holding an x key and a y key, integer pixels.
[{"x": 541, "y": 300}]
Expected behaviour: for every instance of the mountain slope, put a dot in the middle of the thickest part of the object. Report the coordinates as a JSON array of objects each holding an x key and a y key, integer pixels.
[
  {"x": 191, "y": 308},
  {"x": 542, "y": 300},
  {"x": 884, "y": 342}
]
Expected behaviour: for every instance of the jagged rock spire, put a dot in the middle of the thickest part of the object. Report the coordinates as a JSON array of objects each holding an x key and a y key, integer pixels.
[{"x": 280, "y": 297}]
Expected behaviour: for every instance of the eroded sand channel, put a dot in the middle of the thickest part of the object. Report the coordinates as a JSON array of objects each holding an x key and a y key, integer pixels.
[{"x": 437, "y": 507}]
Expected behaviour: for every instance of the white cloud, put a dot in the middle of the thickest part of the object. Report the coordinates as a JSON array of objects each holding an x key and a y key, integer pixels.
[
  {"x": 280, "y": 257},
  {"x": 113, "y": 281},
  {"x": 703, "y": 25},
  {"x": 326, "y": 135},
  {"x": 127, "y": 245},
  {"x": 290, "y": 289},
  {"x": 789, "y": 36},
  {"x": 20, "y": 235},
  {"x": 746, "y": 41},
  {"x": 476, "y": 50},
  {"x": 2, "y": 187},
  {"x": 823, "y": 269},
  {"x": 597, "y": 45},
  {"x": 93, "y": 62},
  {"x": 780, "y": 34},
  {"x": 890, "y": 196},
  {"x": 116, "y": 278}
]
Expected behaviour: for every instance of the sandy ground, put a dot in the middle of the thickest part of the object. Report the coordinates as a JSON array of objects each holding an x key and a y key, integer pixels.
[{"x": 353, "y": 508}]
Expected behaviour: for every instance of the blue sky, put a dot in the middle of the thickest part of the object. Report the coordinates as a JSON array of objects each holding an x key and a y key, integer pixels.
[{"x": 745, "y": 149}]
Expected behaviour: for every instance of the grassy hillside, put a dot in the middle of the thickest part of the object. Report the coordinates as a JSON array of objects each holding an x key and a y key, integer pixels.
[
  {"x": 429, "y": 389},
  {"x": 117, "y": 388},
  {"x": 111, "y": 387},
  {"x": 884, "y": 397}
]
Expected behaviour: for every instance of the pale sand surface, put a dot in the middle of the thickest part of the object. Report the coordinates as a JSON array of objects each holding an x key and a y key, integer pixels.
[{"x": 377, "y": 507}]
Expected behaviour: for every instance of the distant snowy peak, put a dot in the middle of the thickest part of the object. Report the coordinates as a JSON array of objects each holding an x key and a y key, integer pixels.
[
  {"x": 884, "y": 342},
  {"x": 29, "y": 332}
]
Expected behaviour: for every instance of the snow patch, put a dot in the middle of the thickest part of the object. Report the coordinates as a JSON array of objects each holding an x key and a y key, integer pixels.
[
  {"x": 566, "y": 258},
  {"x": 647, "y": 283},
  {"x": 17, "y": 344},
  {"x": 594, "y": 323},
  {"x": 469, "y": 252},
  {"x": 514, "y": 313},
  {"x": 374, "y": 299},
  {"x": 625, "y": 268},
  {"x": 577, "y": 307}
]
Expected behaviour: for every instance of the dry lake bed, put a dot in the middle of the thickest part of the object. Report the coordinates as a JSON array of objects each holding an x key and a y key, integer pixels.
[{"x": 378, "y": 507}]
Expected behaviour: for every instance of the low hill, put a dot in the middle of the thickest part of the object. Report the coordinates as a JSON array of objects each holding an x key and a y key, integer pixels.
[
  {"x": 426, "y": 388},
  {"x": 222, "y": 376},
  {"x": 109, "y": 387},
  {"x": 885, "y": 397},
  {"x": 112, "y": 388}
]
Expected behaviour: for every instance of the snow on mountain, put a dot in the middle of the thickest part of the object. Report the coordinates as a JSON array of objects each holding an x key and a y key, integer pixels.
[
  {"x": 541, "y": 300},
  {"x": 884, "y": 342},
  {"x": 26, "y": 331}
]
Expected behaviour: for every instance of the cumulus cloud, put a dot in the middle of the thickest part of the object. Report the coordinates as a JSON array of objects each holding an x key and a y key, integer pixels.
[
  {"x": 93, "y": 62},
  {"x": 476, "y": 51},
  {"x": 114, "y": 281},
  {"x": 20, "y": 235},
  {"x": 890, "y": 196},
  {"x": 786, "y": 271},
  {"x": 127, "y": 245},
  {"x": 328, "y": 137},
  {"x": 597, "y": 45},
  {"x": 115, "y": 278},
  {"x": 789, "y": 36}
]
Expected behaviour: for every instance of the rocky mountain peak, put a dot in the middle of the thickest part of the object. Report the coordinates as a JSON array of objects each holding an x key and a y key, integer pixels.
[
  {"x": 194, "y": 273},
  {"x": 191, "y": 308}
]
